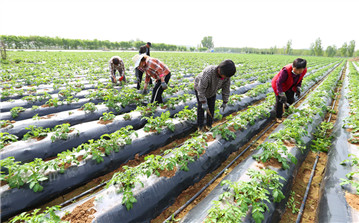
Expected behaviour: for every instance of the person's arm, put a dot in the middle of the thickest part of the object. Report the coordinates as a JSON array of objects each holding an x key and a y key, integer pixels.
[
  {"x": 283, "y": 76},
  {"x": 226, "y": 90},
  {"x": 202, "y": 86},
  {"x": 147, "y": 80}
]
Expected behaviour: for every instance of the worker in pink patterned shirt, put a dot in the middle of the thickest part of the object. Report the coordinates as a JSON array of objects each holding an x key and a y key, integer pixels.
[{"x": 157, "y": 70}]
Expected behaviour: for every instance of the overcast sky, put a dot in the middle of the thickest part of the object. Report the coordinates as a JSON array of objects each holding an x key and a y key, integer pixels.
[{"x": 240, "y": 23}]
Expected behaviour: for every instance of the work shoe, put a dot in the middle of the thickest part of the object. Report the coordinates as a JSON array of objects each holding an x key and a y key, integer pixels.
[
  {"x": 201, "y": 130},
  {"x": 279, "y": 120},
  {"x": 207, "y": 128}
]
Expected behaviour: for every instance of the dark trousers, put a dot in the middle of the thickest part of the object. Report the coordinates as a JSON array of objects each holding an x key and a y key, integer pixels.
[
  {"x": 139, "y": 75},
  {"x": 200, "y": 112},
  {"x": 158, "y": 90},
  {"x": 279, "y": 105}
]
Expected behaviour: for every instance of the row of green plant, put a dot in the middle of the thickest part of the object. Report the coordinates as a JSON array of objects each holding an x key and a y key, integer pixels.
[
  {"x": 125, "y": 181},
  {"x": 59, "y": 132},
  {"x": 352, "y": 176},
  {"x": 352, "y": 123},
  {"x": 33, "y": 173},
  {"x": 248, "y": 196},
  {"x": 295, "y": 126},
  {"x": 62, "y": 71}
]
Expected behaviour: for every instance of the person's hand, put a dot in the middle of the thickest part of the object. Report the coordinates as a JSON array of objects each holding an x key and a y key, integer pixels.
[
  {"x": 204, "y": 106},
  {"x": 282, "y": 98},
  {"x": 114, "y": 79},
  {"x": 164, "y": 85},
  {"x": 297, "y": 93},
  {"x": 145, "y": 91},
  {"x": 223, "y": 106}
]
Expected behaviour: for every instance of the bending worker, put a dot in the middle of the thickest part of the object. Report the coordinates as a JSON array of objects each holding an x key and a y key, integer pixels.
[
  {"x": 116, "y": 63},
  {"x": 157, "y": 70},
  {"x": 206, "y": 85},
  {"x": 145, "y": 49},
  {"x": 287, "y": 83}
]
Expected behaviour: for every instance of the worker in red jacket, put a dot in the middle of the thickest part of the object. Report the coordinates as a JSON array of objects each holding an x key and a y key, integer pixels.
[{"x": 287, "y": 83}]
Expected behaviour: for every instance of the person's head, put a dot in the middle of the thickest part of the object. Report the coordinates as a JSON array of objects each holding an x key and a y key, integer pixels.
[
  {"x": 139, "y": 60},
  {"x": 148, "y": 44},
  {"x": 226, "y": 69},
  {"x": 116, "y": 61},
  {"x": 299, "y": 66}
]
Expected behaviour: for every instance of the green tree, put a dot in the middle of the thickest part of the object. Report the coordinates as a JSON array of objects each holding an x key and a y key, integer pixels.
[
  {"x": 138, "y": 44},
  {"x": 351, "y": 48},
  {"x": 207, "y": 42},
  {"x": 288, "y": 48},
  {"x": 317, "y": 48},
  {"x": 344, "y": 50},
  {"x": 331, "y": 51}
]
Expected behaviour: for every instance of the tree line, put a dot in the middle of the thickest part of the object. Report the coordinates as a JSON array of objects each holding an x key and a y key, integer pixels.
[
  {"x": 315, "y": 49},
  {"x": 57, "y": 43},
  {"x": 43, "y": 42}
]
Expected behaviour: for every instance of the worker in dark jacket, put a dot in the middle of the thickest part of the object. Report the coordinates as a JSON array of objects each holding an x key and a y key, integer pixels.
[
  {"x": 145, "y": 49},
  {"x": 287, "y": 83},
  {"x": 206, "y": 85}
]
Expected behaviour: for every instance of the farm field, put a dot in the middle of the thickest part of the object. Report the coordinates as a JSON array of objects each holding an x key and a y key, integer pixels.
[{"x": 75, "y": 147}]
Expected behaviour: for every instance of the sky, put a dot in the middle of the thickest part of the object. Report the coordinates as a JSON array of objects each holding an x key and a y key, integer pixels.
[{"x": 240, "y": 23}]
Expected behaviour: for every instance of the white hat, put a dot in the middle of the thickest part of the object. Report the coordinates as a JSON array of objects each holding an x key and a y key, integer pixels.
[{"x": 137, "y": 59}]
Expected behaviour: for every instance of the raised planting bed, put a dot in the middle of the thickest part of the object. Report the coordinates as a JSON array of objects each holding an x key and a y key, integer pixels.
[
  {"x": 283, "y": 151},
  {"x": 337, "y": 200},
  {"x": 140, "y": 193}
]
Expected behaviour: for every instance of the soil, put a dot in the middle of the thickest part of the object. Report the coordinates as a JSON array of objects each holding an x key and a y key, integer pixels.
[
  {"x": 45, "y": 106},
  {"x": 168, "y": 173},
  {"x": 289, "y": 144},
  {"x": 271, "y": 162},
  {"x": 2, "y": 183},
  {"x": 189, "y": 192},
  {"x": 192, "y": 190},
  {"x": 47, "y": 116},
  {"x": 355, "y": 59},
  {"x": 80, "y": 158},
  {"x": 302, "y": 179},
  {"x": 40, "y": 138},
  {"x": 209, "y": 138},
  {"x": 231, "y": 129},
  {"x": 134, "y": 162},
  {"x": 353, "y": 200},
  {"x": 81, "y": 214},
  {"x": 300, "y": 185},
  {"x": 66, "y": 165},
  {"x": 102, "y": 122}
]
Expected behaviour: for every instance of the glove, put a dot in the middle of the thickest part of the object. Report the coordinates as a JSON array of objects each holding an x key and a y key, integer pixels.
[
  {"x": 297, "y": 93},
  {"x": 145, "y": 91},
  {"x": 122, "y": 78},
  {"x": 223, "y": 106},
  {"x": 282, "y": 98},
  {"x": 164, "y": 85},
  {"x": 205, "y": 106}
]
